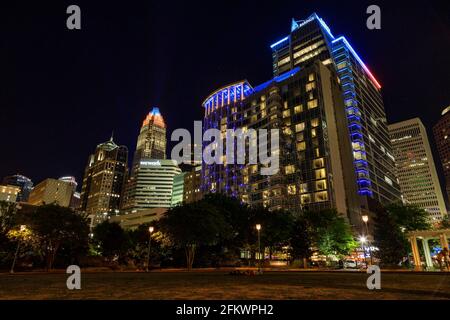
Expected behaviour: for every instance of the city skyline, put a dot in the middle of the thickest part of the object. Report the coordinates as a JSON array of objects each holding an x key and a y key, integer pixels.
[{"x": 68, "y": 162}]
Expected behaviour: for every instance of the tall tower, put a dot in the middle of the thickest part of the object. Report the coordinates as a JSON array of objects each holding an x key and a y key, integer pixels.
[
  {"x": 151, "y": 143},
  {"x": 103, "y": 181},
  {"x": 373, "y": 160},
  {"x": 416, "y": 171},
  {"x": 150, "y": 184},
  {"x": 441, "y": 133}
]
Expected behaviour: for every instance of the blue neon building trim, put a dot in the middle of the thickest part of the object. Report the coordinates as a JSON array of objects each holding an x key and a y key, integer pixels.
[{"x": 278, "y": 42}]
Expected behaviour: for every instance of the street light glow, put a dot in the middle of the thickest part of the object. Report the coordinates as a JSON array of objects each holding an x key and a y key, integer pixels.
[
  {"x": 362, "y": 239},
  {"x": 151, "y": 229},
  {"x": 258, "y": 227},
  {"x": 365, "y": 218}
]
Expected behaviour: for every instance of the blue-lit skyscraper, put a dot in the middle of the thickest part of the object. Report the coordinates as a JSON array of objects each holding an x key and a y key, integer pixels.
[{"x": 311, "y": 40}]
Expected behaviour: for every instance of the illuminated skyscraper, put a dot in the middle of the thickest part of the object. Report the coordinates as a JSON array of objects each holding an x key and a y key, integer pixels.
[
  {"x": 150, "y": 184},
  {"x": 373, "y": 160},
  {"x": 315, "y": 157},
  {"x": 416, "y": 171},
  {"x": 441, "y": 133},
  {"x": 103, "y": 181}
]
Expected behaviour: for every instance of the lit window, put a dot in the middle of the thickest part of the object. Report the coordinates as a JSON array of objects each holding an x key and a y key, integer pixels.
[
  {"x": 321, "y": 185},
  {"x": 312, "y": 104},
  {"x": 321, "y": 196},
  {"x": 299, "y": 127},
  {"x": 320, "y": 173},
  {"x": 310, "y": 86},
  {"x": 318, "y": 163},
  {"x": 298, "y": 108},
  {"x": 287, "y": 131},
  {"x": 305, "y": 198},
  {"x": 300, "y": 136},
  {"x": 292, "y": 189},
  {"x": 303, "y": 187},
  {"x": 311, "y": 77},
  {"x": 313, "y": 133},
  {"x": 286, "y": 113},
  {"x": 301, "y": 146},
  {"x": 289, "y": 169},
  {"x": 315, "y": 122}
]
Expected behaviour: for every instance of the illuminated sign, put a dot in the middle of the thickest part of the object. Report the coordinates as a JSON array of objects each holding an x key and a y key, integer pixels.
[{"x": 151, "y": 163}]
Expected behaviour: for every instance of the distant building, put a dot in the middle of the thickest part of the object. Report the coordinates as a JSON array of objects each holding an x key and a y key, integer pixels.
[
  {"x": 151, "y": 185},
  {"x": 75, "y": 202},
  {"x": 192, "y": 191},
  {"x": 441, "y": 133},
  {"x": 151, "y": 181},
  {"x": 103, "y": 181},
  {"x": 25, "y": 184},
  {"x": 9, "y": 193},
  {"x": 134, "y": 220},
  {"x": 52, "y": 191},
  {"x": 177, "y": 189},
  {"x": 415, "y": 167}
]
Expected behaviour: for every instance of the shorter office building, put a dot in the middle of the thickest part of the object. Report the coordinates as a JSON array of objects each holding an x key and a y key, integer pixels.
[
  {"x": 134, "y": 220},
  {"x": 9, "y": 193},
  {"x": 150, "y": 185},
  {"x": 415, "y": 167},
  {"x": 52, "y": 191},
  {"x": 25, "y": 184}
]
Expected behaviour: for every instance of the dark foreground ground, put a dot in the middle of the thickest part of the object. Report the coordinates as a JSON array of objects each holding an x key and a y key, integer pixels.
[{"x": 220, "y": 285}]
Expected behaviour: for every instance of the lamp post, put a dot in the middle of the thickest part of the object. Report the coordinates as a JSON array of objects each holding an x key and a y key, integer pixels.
[
  {"x": 365, "y": 219},
  {"x": 258, "y": 228},
  {"x": 363, "y": 240},
  {"x": 150, "y": 230},
  {"x": 22, "y": 228}
]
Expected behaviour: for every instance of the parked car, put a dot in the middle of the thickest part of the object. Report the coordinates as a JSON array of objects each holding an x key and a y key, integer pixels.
[{"x": 350, "y": 264}]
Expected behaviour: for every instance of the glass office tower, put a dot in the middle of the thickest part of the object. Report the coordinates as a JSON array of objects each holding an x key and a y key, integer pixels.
[{"x": 373, "y": 160}]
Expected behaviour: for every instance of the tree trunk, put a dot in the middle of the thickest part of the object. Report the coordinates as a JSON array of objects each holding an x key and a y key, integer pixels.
[{"x": 190, "y": 253}]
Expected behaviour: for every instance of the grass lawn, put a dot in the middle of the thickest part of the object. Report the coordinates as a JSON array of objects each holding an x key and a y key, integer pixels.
[{"x": 220, "y": 285}]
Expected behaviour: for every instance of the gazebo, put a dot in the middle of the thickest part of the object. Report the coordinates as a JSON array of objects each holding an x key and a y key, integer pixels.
[{"x": 425, "y": 236}]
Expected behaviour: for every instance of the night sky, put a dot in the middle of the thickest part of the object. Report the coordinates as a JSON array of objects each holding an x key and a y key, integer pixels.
[{"x": 64, "y": 91}]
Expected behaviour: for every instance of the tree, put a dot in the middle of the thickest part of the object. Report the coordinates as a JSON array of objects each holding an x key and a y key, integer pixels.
[
  {"x": 331, "y": 234},
  {"x": 300, "y": 241},
  {"x": 408, "y": 217},
  {"x": 56, "y": 228},
  {"x": 389, "y": 238},
  {"x": 111, "y": 239},
  {"x": 195, "y": 224},
  {"x": 445, "y": 223}
]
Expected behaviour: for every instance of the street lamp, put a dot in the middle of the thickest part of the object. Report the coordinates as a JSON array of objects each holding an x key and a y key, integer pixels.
[
  {"x": 363, "y": 240},
  {"x": 258, "y": 228},
  {"x": 150, "y": 231},
  {"x": 22, "y": 229},
  {"x": 365, "y": 219}
]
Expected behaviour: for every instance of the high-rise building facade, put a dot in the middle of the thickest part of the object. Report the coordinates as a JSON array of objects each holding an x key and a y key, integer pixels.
[
  {"x": 192, "y": 185},
  {"x": 52, "y": 191},
  {"x": 178, "y": 189},
  {"x": 150, "y": 184},
  {"x": 25, "y": 184},
  {"x": 373, "y": 160},
  {"x": 441, "y": 132},
  {"x": 75, "y": 202},
  {"x": 9, "y": 193},
  {"x": 415, "y": 167},
  {"x": 315, "y": 159},
  {"x": 103, "y": 181}
]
